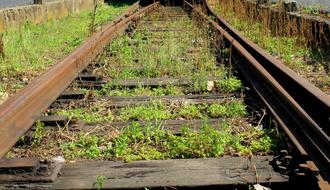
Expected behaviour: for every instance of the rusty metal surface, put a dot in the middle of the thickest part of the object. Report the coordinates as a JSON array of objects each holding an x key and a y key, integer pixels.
[
  {"x": 305, "y": 122},
  {"x": 19, "y": 113}
]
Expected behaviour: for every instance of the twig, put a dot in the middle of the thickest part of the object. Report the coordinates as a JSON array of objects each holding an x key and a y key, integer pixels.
[
  {"x": 262, "y": 117},
  {"x": 94, "y": 129}
]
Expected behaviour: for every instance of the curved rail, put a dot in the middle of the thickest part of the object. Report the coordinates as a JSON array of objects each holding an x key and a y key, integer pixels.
[
  {"x": 299, "y": 107},
  {"x": 19, "y": 113}
]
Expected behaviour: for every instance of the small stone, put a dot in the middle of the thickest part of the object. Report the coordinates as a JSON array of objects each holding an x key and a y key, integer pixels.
[
  {"x": 260, "y": 187},
  {"x": 103, "y": 148},
  {"x": 210, "y": 85},
  {"x": 58, "y": 159},
  {"x": 25, "y": 79}
]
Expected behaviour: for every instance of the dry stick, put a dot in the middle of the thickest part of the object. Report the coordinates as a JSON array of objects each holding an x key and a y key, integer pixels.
[
  {"x": 94, "y": 129},
  {"x": 2, "y": 46},
  {"x": 262, "y": 117},
  {"x": 255, "y": 170},
  {"x": 64, "y": 135},
  {"x": 230, "y": 61},
  {"x": 21, "y": 41},
  {"x": 93, "y": 16}
]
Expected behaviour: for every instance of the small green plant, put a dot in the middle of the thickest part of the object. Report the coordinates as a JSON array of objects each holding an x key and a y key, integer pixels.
[
  {"x": 217, "y": 110},
  {"x": 231, "y": 84},
  {"x": 232, "y": 109},
  {"x": 89, "y": 115},
  {"x": 84, "y": 147},
  {"x": 96, "y": 4},
  {"x": 99, "y": 183},
  {"x": 312, "y": 9},
  {"x": 142, "y": 91},
  {"x": 39, "y": 133},
  {"x": 192, "y": 111},
  {"x": 155, "y": 111}
]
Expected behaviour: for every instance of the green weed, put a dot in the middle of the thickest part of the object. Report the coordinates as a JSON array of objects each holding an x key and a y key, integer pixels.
[
  {"x": 142, "y": 91},
  {"x": 85, "y": 147},
  {"x": 155, "y": 111},
  {"x": 154, "y": 143},
  {"x": 39, "y": 133},
  {"x": 231, "y": 84},
  {"x": 192, "y": 111},
  {"x": 90, "y": 115},
  {"x": 159, "y": 111},
  {"x": 232, "y": 109},
  {"x": 99, "y": 183}
]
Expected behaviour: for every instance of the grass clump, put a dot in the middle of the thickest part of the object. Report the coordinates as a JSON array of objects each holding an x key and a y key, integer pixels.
[
  {"x": 39, "y": 133},
  {"x": 159, "y": 111},
  {"x": 155, "y": 111},
  {"x": 90, "y": 115},
  {"x": 152, "y": 142},
  {"x": 232, "y": 109},
  {"x": 88, "y": 147},
  {"x": 192, "y": 111},
  {"x": 231, "y": 84},
  {"x": 142, "y": 91}
]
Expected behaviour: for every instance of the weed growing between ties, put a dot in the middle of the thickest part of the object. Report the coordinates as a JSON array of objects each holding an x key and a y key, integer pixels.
[
  {"x": 108, "y": 90},
  {"x": 156, "y": 110},
  {"x": 152, "y": 142},
  {"x": 199, "y": 85},
  {"x": 91, "y": 114},
  {"x": 159, "y": 111},
  {"x": 292, "y": 50},
  {"x": 170, "y": 54}
]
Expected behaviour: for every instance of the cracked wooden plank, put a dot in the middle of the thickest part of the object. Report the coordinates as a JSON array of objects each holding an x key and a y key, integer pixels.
[{"x": 188, "y": 173}]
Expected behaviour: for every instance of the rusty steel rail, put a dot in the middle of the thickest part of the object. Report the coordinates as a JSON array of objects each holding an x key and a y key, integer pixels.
[
  {"x": 20, "y": 112},
  {"x": 300, "y": 108}
]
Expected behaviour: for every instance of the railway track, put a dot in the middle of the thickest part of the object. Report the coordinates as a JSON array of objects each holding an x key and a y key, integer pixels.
[{"x": 168, "y": 62}]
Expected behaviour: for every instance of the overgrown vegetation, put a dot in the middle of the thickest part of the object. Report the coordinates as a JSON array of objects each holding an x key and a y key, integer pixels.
[
  {"x": 39, "y": 133},
  {"x": 283, "y": 43},
  {"x": 316, "y": 10},
  {"x": 31, "y": 48},
  {"x": 99, "y": 183},
  {"x": 140, "y": 91},
  {"x": 156, "y": 110},
  {"x": 152, "y": 142},
  {"x": 149, "y": 54},
  {"x": 92, "y": 114}
]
